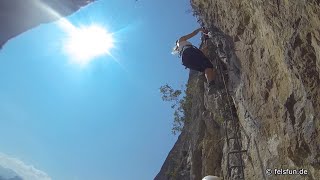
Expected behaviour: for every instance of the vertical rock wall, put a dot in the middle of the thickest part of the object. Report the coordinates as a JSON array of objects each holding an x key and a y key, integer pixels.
[
  {"x": 271, "y": 53},
  {"x": 198, "y": 150}
]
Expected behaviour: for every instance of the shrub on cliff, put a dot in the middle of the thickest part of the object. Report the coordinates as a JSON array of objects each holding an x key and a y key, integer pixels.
[{"x": 180, "y": 103}]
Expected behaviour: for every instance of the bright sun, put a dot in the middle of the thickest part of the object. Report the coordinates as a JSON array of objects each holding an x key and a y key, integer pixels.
[{"x": 86, "y": 43}]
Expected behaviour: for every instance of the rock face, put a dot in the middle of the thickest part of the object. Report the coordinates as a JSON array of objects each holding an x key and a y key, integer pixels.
[
  {"x": 18, "y": 16},
  {"x": 271, "y": 50},
  {"x": 199, "y": 146}
]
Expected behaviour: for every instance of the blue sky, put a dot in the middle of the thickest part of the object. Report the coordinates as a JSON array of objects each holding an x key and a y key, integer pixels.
[{"x": 104, "y": 121}]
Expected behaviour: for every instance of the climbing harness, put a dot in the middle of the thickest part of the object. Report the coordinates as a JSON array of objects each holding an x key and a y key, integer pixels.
[
  {"x": 183, "y": 49},
  {"x": 235, "y": 151},
  {"x": 186, "y": 47}
]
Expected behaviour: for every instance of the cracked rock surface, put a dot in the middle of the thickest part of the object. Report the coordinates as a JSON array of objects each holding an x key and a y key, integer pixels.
[{"x": 271, "y": 52}]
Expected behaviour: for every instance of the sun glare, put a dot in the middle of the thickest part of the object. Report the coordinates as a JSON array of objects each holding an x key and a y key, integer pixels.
[{"x": 84, "y": 44}]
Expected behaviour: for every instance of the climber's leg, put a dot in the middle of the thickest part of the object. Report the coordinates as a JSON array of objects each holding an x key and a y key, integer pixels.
[
  {"x": 213, "y": 85},
  {"x": 210, "y": 74}
]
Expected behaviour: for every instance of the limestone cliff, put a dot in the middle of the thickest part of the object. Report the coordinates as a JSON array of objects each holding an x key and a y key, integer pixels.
[
  {"x": 269, "y": 55},
  {"x": 18, "y": 16}
]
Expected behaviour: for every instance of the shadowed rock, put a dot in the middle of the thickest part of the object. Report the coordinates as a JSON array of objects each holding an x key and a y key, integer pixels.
[{"x": 18, "y": 16}]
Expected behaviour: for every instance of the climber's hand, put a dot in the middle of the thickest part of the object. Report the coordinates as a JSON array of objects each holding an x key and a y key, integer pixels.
[{"x": 201, "y": 29}]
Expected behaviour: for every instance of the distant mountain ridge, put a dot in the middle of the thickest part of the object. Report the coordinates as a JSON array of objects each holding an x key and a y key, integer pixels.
[
  {"x": 8, "y": 174},
  {"x": 13, "y": 178}
]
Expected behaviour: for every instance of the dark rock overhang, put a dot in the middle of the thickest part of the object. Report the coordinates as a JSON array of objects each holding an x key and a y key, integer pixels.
[{"x": 18, "y": 16}]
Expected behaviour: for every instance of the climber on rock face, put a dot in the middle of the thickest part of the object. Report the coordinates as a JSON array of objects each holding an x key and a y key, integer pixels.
[{"x": 194, "y": 59}]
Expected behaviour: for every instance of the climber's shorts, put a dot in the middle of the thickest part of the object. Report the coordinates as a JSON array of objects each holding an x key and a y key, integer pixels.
[{"x": 193, "y": 58}]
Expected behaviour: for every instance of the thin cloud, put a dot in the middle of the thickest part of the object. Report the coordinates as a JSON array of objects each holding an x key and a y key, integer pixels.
[{"x": 27, "y": 172}]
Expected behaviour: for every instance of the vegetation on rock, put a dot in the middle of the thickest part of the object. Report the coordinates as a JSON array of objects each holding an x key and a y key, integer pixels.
[{"x": 180, "y": 103}]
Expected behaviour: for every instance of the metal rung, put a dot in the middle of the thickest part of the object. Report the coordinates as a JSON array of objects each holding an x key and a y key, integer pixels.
[
  {"x": 239, "y": 178},
  {"x": 235, "y": 167},
  {"x": 235, "y": 137},
  {"x": 233, "y": 152}
]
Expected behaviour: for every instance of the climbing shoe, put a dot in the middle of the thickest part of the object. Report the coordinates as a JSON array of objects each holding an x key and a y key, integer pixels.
[{"x": 214, "y": 87}]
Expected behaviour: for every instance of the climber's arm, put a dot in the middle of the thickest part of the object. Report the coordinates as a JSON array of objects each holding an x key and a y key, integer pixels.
[{"x": 188, "y": 36}]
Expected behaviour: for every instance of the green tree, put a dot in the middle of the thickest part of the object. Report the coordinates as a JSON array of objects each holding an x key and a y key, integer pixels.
[{"x": 180, "y": 104}]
